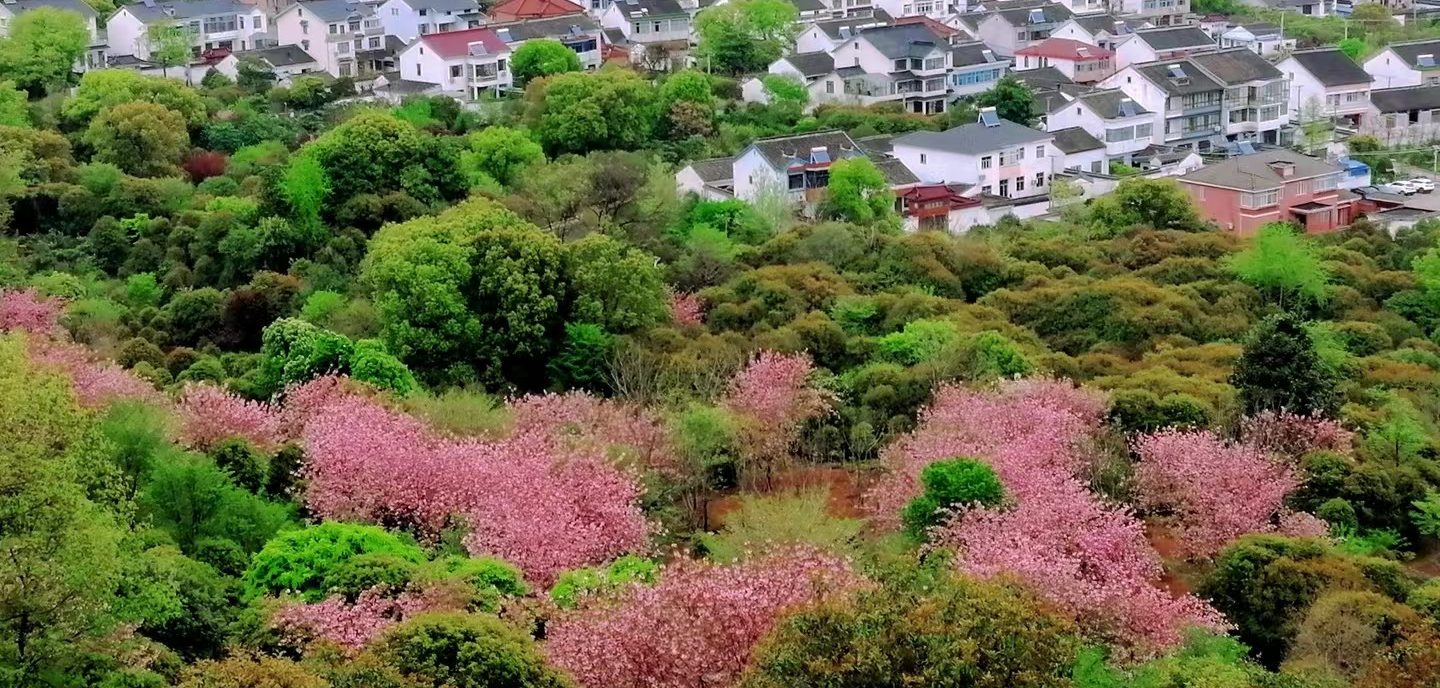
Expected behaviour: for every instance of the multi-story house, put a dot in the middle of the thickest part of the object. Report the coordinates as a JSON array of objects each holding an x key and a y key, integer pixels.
[
  {"x": 974, "y": 68},
  {"x": 1261, "y": 38},
  {"x": 798, "y": 167},
  {"x": 904, "y": 63},
  {"x": 1256, "y": 95},
  {"x": 1153, "y": 45},
  {"x": 1157, "y": 12},
  {"x": 212, "y": 25},
  {"x": 659, "y": 28},
  {"x": 97, "y": 50},
  {"x": 1104, "y": 30},
  {"x": 464, "y": 64},
  {"x": 826, "y": 36},
  {"x": 935, "y": 9},
  {"x": 1188, "y": 104},
  {"x": 1008, "y": 30},
  {"x": 410, "y": 19},
  {"x": 1081, "y": 62},
  {"x": 1326, "y": 84},
  {"x": 1242, "y": 193},
  {"x": 816, "y": 70},
  {"x": 1406, "y": 64},
  {"x": 1403, "y": 116},
  {"x": 1077, "y": 150},
  {"x": 1115, "y": 118},
  {"x": 334, "y": 32},
  {"x": 578, "y": 32},
  {"x": 996, "y": 156}
]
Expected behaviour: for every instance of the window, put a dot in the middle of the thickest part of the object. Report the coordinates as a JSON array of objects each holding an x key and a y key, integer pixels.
[
  {"x": 983, "y": 76},
  {"x": 305, "y": 44},
  {"x": 922, "y": 158},
  {"x": 829, "y": 86},
  {"x": 241, "y": 20},
  {"x": 305, "y": 27},
  {"x": 1019, "y": 184},
  {"x": 655, "y": 26},
  {"x": 342, "y": 48},
  {"x": 797, "y": 182},
  {"x": 334, "y": 29},
  {"x": 394, "y": 11},
  {"x": 1040, "y": 178},
  {"x": 374, "y": 42},
  {"x": 1019, "y": 154},
  {"x": 1005, "y": 188},
  {"x": 1260, "y": 199},
  {"x": 1142, "y": 131},
  {"x": 986, "y": 190},
  {"x": 220, "y": 24},
  {"x": 354, "y": 26},
  {"x": 1094, "y": 167},
  {"x": 260, "y": 23},
  {"x": 423, "y": 11},
  {"x": 417, "y": 70},
  {"x": 1119, "y": 134},
  {"x": 454, "y": 71},
  {"x": 1039, "y": 151},
  {"x": 985, "y": 163},
  {"x": 345, "y": 69}
]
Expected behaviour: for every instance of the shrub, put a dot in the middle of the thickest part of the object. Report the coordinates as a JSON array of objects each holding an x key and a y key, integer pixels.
[
  {"x": 466, "y": 651},
  {"x": 949, "y": 485},
  {"x": 304, "y": 560}
]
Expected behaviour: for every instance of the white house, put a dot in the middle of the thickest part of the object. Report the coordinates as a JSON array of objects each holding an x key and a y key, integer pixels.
[
  {"x": 974, "y": 68},
  {"x": 711, "y": 179},
  {"x": 997, "y": 156},
  {"x": 1075, "y": 149},
  {"x": 816, "y": 70},
  {"x": 797, "y": 167},
  {"x": 410, "y": 19},
  {"x": 284, "y": 61},
  {"x": 1104, "y": 30},
  {"x": 1403, "y": 116},
  {"x": 1187, "y": 104},
  {"x": 825, "y": 36},
  {"x": 212, "y": 24},
  {"x": 1326, "y": 83},
  {"x": 904, "y": 63},
  {"x": 1405, "y": 64},
  {"x": 1079, "y": 62},
  {"x": 659, "y": 29},
  {"x": 464, "y": 64},
  {"x": 1125, "y": 127},
  {"x": 1008, "y": 30},
  {"x": 1256, "y": 95},
  {"x": 334, "y": 32},
  {"x": 578, "y": 32},
  {"x": 94, "y": 58},
  {"x": 1150, "y": 45},
  {"x": 1156, "y": 12},
  {"x": 1261, "y": 38}
]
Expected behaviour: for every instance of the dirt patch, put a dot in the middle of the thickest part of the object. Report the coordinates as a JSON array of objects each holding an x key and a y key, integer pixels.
[{"x": 844, "y": 487}]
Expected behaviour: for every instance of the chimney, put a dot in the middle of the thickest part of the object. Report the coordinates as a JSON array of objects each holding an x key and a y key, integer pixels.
[{"x": 1283, "y": 168}]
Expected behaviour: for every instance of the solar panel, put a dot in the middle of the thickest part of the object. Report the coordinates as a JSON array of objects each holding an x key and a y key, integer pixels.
[
  {"x": 1082, "y": 52},
  {"x": 989, "y": 55},
  {"x": 1037, "y": 16},
  {"x": 1176, "y": 72},
  {"x": 1425, "y": 60},
  {"x": 1246, "y": 148},
  {"x": 1127, "y": 108},
  {"x": 819, "y": 155},
  {"x": 989, "y": 118},
  {"x": 504, "y": 35}
]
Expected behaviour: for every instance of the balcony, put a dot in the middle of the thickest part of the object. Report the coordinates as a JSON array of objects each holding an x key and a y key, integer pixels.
[
  {"x": 488, "y": 75},
  {"x": 1186, "y": 133},
  {"x": 1180, "y": 108}
]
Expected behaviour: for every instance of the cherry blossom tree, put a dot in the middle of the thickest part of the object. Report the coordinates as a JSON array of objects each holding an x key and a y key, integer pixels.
[
  {"x": 686, "y": 310},
  {"x": 773, "y": 399},
  {"x": 209, "y": 414},
  {"x": 27, "y": 310},
  {"x": 349, "y": 626},
  {"x": 97, "y": 382},
  {"x": 696, "y": 626},
  {"x": 1293, "y": 435}
]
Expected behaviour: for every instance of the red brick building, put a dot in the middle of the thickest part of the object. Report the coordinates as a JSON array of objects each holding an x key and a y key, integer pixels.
[{"x": 1242, "y": 193}]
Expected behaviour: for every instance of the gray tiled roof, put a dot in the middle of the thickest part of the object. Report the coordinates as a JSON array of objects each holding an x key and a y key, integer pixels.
[
  {"x": 78, "y": 6},
  {"x": 1044, "y": 77},
  {"x": 280, "y": 56},
  {"x": 1107, "y": 103},
  {"x": 186, "y": 9},
  {"x": 840, "y": 29},
  {"x": 1075, "y": 140},
  {"x": 973, "y": 139},
  {"x": 1175, "y": 38},
  {"x": 462, "y": 6},
  {"x": 1405, "y": 99},
  {"x": 783, "y": 151},
  {"x": 1254, "y": 172},
  {"x": 335, "y": 10},
  {"x": 1236, "y": 66},
  {"x": 1409, "y": 52},
  {"x": 1331, "y": 67},
  {"x": 548, "y": 27},
  {"x": 1194, "y": 81},
  {"x": 973, "y": 53},
  {"x": 713, "y": 170},
  {"x": 652, "y": 8},
  {"x": 818, "y": 63},
  {"x": 904, "y": 40},
  {"x": 1020, "y": 16},
  {"x": 1095, "y": 23},
  {"x": 896, "y": 173}
]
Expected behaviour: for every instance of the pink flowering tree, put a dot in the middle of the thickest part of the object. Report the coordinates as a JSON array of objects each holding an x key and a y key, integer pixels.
[
  {"x": 773, "y": 399},
  {"x": 27, "y": 310},
  {"x": 1294, "y": 435},
  {"x": 1057, "y": 536},
  {"x": 696, "y": 626},
  {"x": 628, "y": 433},
  {"x": 209, "y": 414},
  {"x": 686, "y": 310},
  {"x": 1217, "y": 490},
  {"x": 532, "y": 498},
  {"x": 349, "y": 626},
  {"x": 96, "y": 382}
]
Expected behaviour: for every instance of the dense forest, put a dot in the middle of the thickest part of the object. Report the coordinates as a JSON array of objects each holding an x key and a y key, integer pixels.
[{"x": 299, "y": 391}]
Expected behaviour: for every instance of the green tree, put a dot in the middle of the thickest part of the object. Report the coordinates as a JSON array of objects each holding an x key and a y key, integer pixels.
[
  {"x": 1399, "y": 436},
  {"x": 293, "y": 351},
  {"x": 579, "y": 112},
  {"x": 920, "y": 629},
  {"x": 193, "y": 500},
  {"x": 1281, "y": 370},
  {"x": 169, "y": 45},
  {"x": 786, "y": 92},
  {"x": 1137, "y": 201},
  {"x": 14, "y": 106},
  {"x": 615, "y": 286},
  {"x": 102, "y": 89},
  {"x": 542, "y": 57},
  {"x": 745, "y": 35},
  {"x": 582, "y": 359},
  {"x": 1352, "y": 47},
  {"x": 371, "y": 362},
  {"x": 1283, "y": 265},
  {"x": 43, "y": 46},
  {"x": 500, "y": 153},
  {"x": 143, "y": 139},
  {"x": 466, "y": 651},
  {"x": 376, "y": 153},
  {"x": 857, "y": 192},
  {"x": 949, "y": 485},
  {"x": 1012, "y": 100},
  {"x": 307, "y": 560}
]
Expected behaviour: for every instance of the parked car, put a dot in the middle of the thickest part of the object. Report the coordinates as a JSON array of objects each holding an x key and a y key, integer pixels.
[
  {"x": 1423, "y": 184},
  {"x": 1399, "y": 186}
]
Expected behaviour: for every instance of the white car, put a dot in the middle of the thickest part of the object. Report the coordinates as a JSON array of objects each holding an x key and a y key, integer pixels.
[
  {"x": 1399, "y": 186},
  {"x": 1423, "y": 184}
]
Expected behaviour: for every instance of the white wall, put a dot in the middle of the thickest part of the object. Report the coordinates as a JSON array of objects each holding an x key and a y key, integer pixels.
[
  {"x": 399, "y": 19},
  {"x": 1390, "y": 71},
  {"x": 290, "y": 29},
  {"x": 125, "y": 31},
  {"x": 754, "y": 175},
  {"x": 1133, "y": 51},
  {"x": 1148, "y": 95},
  {"x": 935, "y": 166}
]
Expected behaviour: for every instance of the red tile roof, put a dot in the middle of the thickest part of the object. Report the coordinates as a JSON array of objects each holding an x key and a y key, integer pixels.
[
  {"x": 939, "y": 28},
  {"x": 448, "y": 44},
  {"x": 511, "y": 10},
  {"x": 1065, "y": 49}
]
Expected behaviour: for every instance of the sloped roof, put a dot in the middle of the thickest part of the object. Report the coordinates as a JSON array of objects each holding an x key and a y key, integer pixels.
[
  {"x": 1075, "y": 140},
  {"x": 1254, "y": 172},
  {"x": 712, "y": 170},
  {"x": 534, "y": 9},
  {"x": 333, "y": 10},
  {"x": 445, "y": 5},
  {"x": 841, "y": 29},
  {"x": 936, "y": 27},
  {"x": 1044, "y": 77},
  {"x": 185, "y": 9},
  {"x": 450, "y": 44},
  {"x": 1065, "y": 49},
  {"x": 1331, "y": 67},
  {"x": 783, "y": 152},
  {"x": 1405, "y": 99},
  {"x": 974, "y": 53},
  {"x": 1194, "y": 81},
  {"x": 1051, "y": 12},
  {"x": 903, "y": 40},
  {"x": 649, "y": 8},
  {"x": 550, "y": 27},
  {"x": 77, "y": 6},
  {"x": 813, "y": 64},
  {"x": 896, "y": 173},
  {"x": 1411, "y": 51},
  {"x": 1175, "y": 38},
  {"x": 974, "y": 139},
  {"x": 1108, "y": 103},
  {"x": 279, "y": 56},
  {"x": 1236, "y": 66},
  {"x": 1109, "y": 23}
]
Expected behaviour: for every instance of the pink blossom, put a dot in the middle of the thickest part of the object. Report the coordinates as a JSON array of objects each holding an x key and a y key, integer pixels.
[
  {"x": 697, "y": 625},
  {"x": 1301, "y": 524},
  {"x": 532, "y": 498},
  {"x": 1218, "y": 490},
  {"x": 1294, "y": 435},
  {"x": 581, "y": 421},
  {"x": 1091, "y": 558},
  {"x": 686, "y": 310},
  {"x": 349, "y": 626},
  {"x": 96, "y": 382},
  {"x": 209, "y": 414},
  {"x": 774, "y": 398},
  {"x": 29, "y": 311}
]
